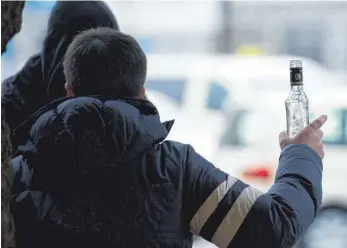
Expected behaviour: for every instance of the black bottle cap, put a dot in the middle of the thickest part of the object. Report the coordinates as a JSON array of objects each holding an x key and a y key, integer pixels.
[{"x": 296, "y": 77}]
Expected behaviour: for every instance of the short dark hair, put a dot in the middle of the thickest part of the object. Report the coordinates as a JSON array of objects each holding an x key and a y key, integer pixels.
[{"x": 104, "y": 60}]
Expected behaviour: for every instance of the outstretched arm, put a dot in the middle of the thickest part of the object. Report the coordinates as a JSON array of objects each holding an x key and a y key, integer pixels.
[{"x": 230, "y": 213}]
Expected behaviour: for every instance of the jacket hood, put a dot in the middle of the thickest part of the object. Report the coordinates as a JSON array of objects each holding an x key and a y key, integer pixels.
[
  {"x": 84, "y": 143},
  {"x": 66, "y": 20},
  {"x": 41, "y": 80}
]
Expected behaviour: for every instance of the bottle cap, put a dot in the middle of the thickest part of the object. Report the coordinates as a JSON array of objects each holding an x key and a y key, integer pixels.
[
  {"x": 295, "y": 64},
  {"x": 296, "y": 77}
]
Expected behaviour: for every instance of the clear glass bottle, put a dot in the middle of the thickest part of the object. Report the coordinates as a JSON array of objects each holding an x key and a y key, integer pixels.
[{"x": 297, "y": 105}]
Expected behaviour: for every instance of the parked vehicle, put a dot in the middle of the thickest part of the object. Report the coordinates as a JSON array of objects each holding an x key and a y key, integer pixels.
[{"x": 196, "y": 86}]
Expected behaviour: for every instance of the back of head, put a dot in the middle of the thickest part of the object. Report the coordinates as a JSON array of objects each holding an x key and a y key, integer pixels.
[
  {"x": 105, "y": 61},
  {"x": 66, "y": 20}
]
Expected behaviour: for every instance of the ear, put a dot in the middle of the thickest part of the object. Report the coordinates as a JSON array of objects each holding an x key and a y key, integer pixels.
[{"x": 68, "y": 89}]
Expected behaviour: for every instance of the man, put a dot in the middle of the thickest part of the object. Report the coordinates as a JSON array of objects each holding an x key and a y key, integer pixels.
[
  {"x": 41, "y": 79},
  {"x": 96, "y": 171}
]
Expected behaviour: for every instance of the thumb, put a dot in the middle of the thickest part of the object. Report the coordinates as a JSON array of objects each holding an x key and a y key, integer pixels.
[{"x": 283, "y": 139}]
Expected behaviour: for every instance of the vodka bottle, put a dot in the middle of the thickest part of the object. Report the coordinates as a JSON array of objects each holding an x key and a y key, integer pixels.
[{"x": 297, "y": 110}]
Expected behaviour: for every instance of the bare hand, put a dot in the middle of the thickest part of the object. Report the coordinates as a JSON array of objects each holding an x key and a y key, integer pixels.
[{"x": 311, "y": 135}]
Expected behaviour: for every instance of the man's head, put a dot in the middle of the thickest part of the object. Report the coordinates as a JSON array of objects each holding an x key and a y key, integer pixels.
[{"x": 105, "y": 61}]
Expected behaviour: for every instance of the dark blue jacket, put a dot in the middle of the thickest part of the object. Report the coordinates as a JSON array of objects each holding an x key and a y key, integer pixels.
[{"x": 95, "y": 173}]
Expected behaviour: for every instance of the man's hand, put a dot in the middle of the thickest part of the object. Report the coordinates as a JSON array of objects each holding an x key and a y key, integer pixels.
[{"x": 311, "y": 135}]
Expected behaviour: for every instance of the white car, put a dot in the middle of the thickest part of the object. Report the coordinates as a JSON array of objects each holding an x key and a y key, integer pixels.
[
  {"x": 194, "y": 84},
  {"x": 203, "y": 85}
]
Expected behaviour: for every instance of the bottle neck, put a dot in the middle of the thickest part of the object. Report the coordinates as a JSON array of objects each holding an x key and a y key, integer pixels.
[{"x": 297, "y": 87}]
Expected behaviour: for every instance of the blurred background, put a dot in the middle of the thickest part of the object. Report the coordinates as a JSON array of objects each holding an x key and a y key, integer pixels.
[{"x": 221, "y": 69}]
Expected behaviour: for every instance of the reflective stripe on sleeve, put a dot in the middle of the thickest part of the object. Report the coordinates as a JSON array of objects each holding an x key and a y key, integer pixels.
[
  {"x": 234, "y": 218},
  {"x": 210, "y": 205}
]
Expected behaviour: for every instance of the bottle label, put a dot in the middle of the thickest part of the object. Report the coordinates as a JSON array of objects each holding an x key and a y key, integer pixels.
[{"x": 296, "y": 76}]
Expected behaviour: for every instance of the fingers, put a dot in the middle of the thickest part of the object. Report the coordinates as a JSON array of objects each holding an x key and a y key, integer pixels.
[
  {"x": 283, "y": 139},
  {"x": 283, "y": 135},
  {"x": 320, "y": 150},
  {"x": 322, "y": 154},
  {"x": 316, "y": 139},
  {"x": 318, "y": 123},
  {"x": 319, "y": 134},
  {"x": 310, "y": 135}
]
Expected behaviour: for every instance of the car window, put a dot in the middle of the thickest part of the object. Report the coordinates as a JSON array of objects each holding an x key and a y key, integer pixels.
[
  {"x": 254, "y": 127},
  {"x": 217, "y": 96},
  {"x": 250, "y": 128},
  {"x": 173, "y": 88}
]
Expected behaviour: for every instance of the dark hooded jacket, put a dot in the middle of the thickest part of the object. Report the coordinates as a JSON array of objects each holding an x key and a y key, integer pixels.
[
  {"x": 98, "y": 172},
  {"x": 41, "y": 80}
]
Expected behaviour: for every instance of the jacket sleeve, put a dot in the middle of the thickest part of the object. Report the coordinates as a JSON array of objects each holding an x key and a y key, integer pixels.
[{"x": 230, "y": 213}]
